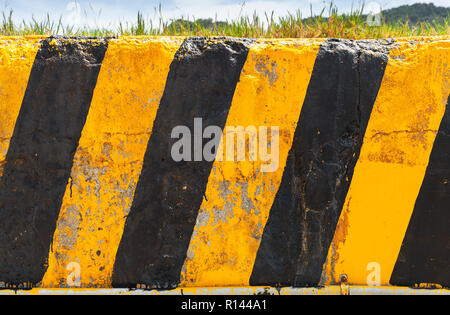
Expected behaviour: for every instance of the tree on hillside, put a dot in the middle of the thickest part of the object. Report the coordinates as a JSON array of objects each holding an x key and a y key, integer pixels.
[{"x": 417, "y": 13}]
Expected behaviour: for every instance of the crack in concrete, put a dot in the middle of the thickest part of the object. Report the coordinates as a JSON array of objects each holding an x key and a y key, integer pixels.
[{"x": 386, "y": 134}]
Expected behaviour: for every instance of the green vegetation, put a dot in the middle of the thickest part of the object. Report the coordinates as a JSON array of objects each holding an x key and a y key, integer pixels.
[
  {"x": 418, "y": 13},
  {"x": 418, "y": 19}
]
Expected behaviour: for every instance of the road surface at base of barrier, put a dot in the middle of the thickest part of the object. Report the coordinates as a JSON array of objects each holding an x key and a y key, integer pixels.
[{"x": 248, "y": 291}]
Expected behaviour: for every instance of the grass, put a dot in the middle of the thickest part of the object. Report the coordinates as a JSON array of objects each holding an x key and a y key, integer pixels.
[{"x": 335, "y": 25}]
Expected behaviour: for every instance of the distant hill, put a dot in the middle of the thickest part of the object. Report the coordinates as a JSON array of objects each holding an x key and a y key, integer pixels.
[
  {"x": 417, "y": 13},
  {"x": 414, "y": 14}
]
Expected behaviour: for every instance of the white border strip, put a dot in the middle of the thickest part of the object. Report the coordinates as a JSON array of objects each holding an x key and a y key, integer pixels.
[{"x": 329, "y": 290}]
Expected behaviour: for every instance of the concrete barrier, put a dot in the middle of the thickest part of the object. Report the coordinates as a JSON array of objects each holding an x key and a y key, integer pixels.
[{"x": 91, "y": 196}]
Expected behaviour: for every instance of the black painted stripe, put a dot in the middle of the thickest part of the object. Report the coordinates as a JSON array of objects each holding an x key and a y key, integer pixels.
[
  {"x": 200, "y": 84},
  {"x": 40, "y": 154},
  {"x": 327, "y": 142},
  {"x": 425, "y": 253}
]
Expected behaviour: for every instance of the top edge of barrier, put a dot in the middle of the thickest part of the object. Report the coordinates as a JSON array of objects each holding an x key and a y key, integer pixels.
[{"x": 410, "y": 38}]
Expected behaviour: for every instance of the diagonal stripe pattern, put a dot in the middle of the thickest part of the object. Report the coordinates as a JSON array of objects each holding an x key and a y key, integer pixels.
[
  {"x": 239, "y": 194},
  {"x": 343, "y": 88},
  {"x": 200, "y": 84},
  {"x": 392, "y": 165},
  {"x": 425, "y": 253},
  {"x": 108, "y": 161},
  {"x": 40, "y": 154},
  {"x": 87, "y": 179}
]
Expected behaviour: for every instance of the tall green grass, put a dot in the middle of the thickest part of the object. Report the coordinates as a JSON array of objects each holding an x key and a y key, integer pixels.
[{"x": 352, "y": 25}]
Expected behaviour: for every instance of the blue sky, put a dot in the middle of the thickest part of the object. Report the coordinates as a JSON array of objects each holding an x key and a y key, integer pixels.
[{"x": 104, "y": 13}]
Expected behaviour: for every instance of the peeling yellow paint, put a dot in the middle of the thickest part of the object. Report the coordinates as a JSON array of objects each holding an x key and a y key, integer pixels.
[
  {"x": 108, "y": 160},
  {"x": 239, "y": 196},
  {"x": 16, "y": 60},
  {"x": 394, "y": 157}
]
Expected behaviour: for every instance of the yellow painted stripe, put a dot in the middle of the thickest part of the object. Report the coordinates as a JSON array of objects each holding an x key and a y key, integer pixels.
[
  {"x": 109, "y": 160},
  {"x": 232, "y": 218},
  {"x": 16, "y": 60},
  {"x": 392, "y": 165}
]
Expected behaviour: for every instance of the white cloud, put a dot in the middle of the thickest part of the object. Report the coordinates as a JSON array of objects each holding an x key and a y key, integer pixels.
[
  {"x": 73, "y": 14},
  {"x": 373, "y": 8},
  {"x": 199, "y": 9}
]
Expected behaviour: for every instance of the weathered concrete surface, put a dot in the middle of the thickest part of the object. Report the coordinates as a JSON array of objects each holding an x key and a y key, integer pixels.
[
  {"x": 375, "y": 114},
  {"x": 201, "y": 83},
  {"x": 420, "y": 259},
  {"x": 109, "y": 159},
  {"x": 319, "y": 168},
  {"x": 239, "y": 195},
  {"x": 40, "y": 154},
  {"x": 394, "y": 157}
]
